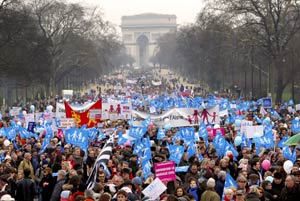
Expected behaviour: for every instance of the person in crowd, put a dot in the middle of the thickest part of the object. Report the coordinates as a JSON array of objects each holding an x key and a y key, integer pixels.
[
  {"x": 26, "y": 164},
  {"x": 47, "y": 184},
  {"x": 220, "y": 183},
  {"x": 61, "y": 179},
  {"x": 209, "y": 193},
  {"x": 240, "y": 195},
  {"x": 26, "y": 189},
  {"x": 277, "y": 185},
  {"x": 228, "y": 194},
  {"x": 122, "y": 195},
  {"x": 253, "y": 194},
  {"x": 291, "y": 190},
  {"x": 180, "y": 192}
]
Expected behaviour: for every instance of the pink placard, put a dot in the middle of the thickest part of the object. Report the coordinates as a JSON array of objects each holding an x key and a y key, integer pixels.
[
  {"x": 221, "y": 130},
  {"x": 165, "y": 171}
]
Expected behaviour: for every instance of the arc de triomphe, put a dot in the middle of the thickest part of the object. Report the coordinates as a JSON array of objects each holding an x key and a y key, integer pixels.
[{"x": 140, "y": 34}]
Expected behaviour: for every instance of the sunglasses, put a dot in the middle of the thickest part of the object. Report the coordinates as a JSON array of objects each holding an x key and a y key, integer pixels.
[{"x": 239, "y": 194}]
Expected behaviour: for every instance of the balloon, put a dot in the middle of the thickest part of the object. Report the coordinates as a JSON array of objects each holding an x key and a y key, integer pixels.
[
  {"x": 127, "y": 143},
  {"x": 266, "y": 164},
  {"x": 210, "y": 133},
  {"x": 32, "y": 108},
  {"x": 108, "y": 122},
  {"x": 237, "y": 140},
  {"x": 237, "y": 123},
  {"x": 24, "y": 112},
  {"x": 267, "y": 120},
  {"x": 167, "y": 127},
  {"x": 6, "y": 142},
  {"x": 208, "y": 128},
  {"x": 216, "y": 126},
  {"x": 287, "y": 166},
  {"x": 49, "y": 108}
]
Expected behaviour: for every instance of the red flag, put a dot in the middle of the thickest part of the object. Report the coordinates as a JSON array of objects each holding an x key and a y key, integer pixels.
[{"x": 82, "y": 118}]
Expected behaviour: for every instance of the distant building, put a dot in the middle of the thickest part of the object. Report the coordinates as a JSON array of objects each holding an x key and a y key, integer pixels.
[{"x": 140, "y": 34}]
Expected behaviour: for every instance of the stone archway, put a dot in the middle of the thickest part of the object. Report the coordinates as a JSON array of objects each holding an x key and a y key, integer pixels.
[{"x": 143, "y": 50}]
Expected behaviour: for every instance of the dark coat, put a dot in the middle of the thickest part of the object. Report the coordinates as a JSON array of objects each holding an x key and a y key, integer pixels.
[
  {"x": 57, "y": 190},
  {"x": 290, "y": 194},
  {"x": 26, "y": 190},
  {"x": 47, "y": 189},
  {"x": 220, "y": 187}
]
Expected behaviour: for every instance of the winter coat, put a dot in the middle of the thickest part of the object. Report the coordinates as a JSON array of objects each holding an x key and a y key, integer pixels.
[{"x": 26, "y": 190}]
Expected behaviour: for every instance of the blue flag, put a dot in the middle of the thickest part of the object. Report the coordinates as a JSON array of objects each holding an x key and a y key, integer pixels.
[
  {"x": 23, "y": 133},
  {"x": 188, "y": 133},
  {"x": 182, "y": 169},
  {"x": 77, "y": 137},
  {"x": 176, "y": 153},
  {"x": 295, "y": 126},
  {"x": 191, "y": 149},
  {"x": 44, "y": 145},
  {"x": 137, "y": 131},
  {"x": 10, "y": 133},
  {"x": 282, "y": 141},
  {"x": 160, "y": 134},
  {"x": 146, "y": 168},
  {"x": 229, "y": 181}
]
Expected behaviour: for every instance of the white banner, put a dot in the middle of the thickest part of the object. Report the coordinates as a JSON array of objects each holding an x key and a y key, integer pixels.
[
  {"x": 15, "y": 111},
  {"x": 115, "y": 110},
  {"x": 156, "y": 83},
  {"x": 183, "y": 114},
  {"x": 258, "y": 131}
]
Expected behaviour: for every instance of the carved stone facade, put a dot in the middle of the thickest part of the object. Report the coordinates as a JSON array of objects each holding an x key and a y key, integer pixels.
[{"x": 140, "y": 34}]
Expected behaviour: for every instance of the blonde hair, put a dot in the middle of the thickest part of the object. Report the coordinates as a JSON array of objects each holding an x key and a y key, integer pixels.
[
  {"x": 254, "y": 189},
  {"x": 204, "y": 163}
]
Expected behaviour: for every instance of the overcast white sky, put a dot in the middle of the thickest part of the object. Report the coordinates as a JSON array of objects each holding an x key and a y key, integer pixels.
[{"x": 185, "y": 10}]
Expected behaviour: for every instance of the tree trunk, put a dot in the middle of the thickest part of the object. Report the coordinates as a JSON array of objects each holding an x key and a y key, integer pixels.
[{"x": 280, "y": 84}]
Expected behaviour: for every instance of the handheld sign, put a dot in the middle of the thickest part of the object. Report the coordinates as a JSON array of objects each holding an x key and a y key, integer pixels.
[{"x": 267, "y": 102}]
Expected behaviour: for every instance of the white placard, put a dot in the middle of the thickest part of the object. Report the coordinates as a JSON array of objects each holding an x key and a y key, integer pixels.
[
  {"x": 28, "y": 118},
  {"x": 244, "y": 125},
  {"x": 95, "y": 113},
  {"x": 251, "y": 130},
  {"x": 155, "y": 189},
  {"x": 67, "y": 122},
  {"x": 297, "y": 107},
  {"x": 223, "y": 113}
]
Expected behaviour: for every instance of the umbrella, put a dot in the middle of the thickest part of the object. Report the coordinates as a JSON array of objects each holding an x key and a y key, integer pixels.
[{"x": 294, "y": 140}]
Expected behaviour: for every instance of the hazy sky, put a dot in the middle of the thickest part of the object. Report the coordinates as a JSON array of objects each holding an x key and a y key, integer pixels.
[{"x": 185, "y": 10}]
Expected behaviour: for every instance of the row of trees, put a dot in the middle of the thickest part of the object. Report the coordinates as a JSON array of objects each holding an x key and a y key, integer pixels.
[
  {"x": 244, "y": 45},
  {"x": 48, "y": 45}
]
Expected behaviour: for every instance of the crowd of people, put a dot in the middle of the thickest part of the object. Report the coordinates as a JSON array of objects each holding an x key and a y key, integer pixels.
[{"x": 61, "y": 171}]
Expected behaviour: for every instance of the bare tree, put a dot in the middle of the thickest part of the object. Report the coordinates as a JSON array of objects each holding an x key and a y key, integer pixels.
[{"x": 270, "y": 24}]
